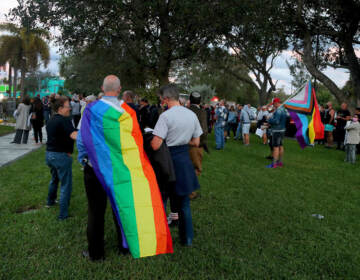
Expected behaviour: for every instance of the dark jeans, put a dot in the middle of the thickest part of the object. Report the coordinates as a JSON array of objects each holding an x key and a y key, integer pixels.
[
  {"x": 97, "y": 200},
  {"x": 46, "y": 115},
  {"x": 61, "y": 170},
  {"x": 232, "y": 127},
  {"x": 21, "y": 134}
]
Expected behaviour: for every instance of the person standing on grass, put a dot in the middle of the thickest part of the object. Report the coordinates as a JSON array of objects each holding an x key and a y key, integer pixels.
[
  {"x": 75, "y": 110},
  {"x": 197, "y": 153},
  {"x": 329, "y": 125},
  {"x": 343, "y": 115},
  {"x": 23, "y": 126},
  {"x": 95, "y": 193},
  {"x": 261, "y": 119},
  {"x": 245, "y": 119},
  {"x": 352, "y": 139},
  {"x": 180, "y": 129},
  {"x": 59, "y": 148},
  {"x": 37, "y": 119},
  {"x": 220, "y": 117},
  {"x": 278, "y": 127},
  {"x": 232, "y": 122},
  {"x": 238, "y": 135}
]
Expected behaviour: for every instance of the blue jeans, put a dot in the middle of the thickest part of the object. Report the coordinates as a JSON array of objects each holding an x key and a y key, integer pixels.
[
  {"x": 239, "y": 132},
  {"x": 219, "y": 137},
  {"x": 61, "y": 170},
  {"x": 46, "y": 115},
  {"x": 186, "y": 231}
]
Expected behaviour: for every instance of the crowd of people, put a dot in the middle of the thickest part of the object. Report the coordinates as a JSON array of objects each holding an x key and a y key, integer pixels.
[{"x": 175, "y": 137}]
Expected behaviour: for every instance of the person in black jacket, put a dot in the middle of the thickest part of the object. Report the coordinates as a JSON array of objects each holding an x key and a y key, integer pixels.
[{"x": 37, "y": 119}]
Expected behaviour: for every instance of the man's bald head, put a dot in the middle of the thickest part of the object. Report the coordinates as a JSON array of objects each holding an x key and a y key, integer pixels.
[{"x": 111, "y": 84}]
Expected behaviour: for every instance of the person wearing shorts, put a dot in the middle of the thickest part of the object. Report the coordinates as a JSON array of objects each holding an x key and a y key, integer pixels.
[
  {"x": 278, "y": 127},
  {"x": 245, "y": 119}
]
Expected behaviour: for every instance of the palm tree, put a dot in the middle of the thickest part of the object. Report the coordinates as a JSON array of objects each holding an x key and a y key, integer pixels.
[{"x": 24, "y": 49}]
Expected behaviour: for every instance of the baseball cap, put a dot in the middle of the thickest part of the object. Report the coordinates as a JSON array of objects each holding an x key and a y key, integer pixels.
[{"x": 275, "y": 100}]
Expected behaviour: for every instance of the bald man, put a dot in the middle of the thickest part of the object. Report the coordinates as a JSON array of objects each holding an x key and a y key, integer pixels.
[{"x": 96, "y": 195}]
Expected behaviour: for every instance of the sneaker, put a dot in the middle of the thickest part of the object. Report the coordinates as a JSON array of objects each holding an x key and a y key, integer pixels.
[
  {"x": 280, "y": 164},
  {"x": 272, "y": 165},
  {"x": 86, "y": 255},
  {"x": 51, "y": 205}
]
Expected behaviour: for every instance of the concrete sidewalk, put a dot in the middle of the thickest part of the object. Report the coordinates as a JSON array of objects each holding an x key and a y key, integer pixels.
[{"x": 11, "y": 152}]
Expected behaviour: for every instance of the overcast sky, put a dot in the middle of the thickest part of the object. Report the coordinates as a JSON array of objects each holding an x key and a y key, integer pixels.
[{"x": 279, "y": 73}]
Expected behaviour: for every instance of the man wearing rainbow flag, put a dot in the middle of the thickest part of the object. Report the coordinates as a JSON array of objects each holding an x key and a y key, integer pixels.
[{"x": 110, "y": 146}]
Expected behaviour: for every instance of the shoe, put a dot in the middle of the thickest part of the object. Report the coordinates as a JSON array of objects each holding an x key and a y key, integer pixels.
[
  {"x": 86, "y": 255},
  {"x": 64, "y": 219},
  {"x": 124, "y": 251},
  {"x": 280, "y": 164},
  {"x": 187, "y": 243},
  {"x": 272, "y": 166},
  {"x": 51, "y": 205}
]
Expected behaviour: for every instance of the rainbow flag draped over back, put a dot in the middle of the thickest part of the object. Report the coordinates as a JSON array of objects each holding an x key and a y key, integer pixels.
[
  {"x": 304, "y": 111},
  {"x": 114, "y": 144}
]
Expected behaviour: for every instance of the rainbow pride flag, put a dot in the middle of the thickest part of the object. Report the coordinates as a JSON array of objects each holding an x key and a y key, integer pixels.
[
  {"x": 304, "y": 111},
  {"x": 114, "y": 144}
]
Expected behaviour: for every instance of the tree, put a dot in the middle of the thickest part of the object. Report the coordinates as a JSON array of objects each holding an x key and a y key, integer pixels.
[
  {"x": 209, "y": 73},
  {"x": 255, "y": 40},
  {"x": 84, "y": 70},
  {"x": 154, "y": 33},
  {"x": 24, "y": 48},
  {"x": 325, "y": 33}
]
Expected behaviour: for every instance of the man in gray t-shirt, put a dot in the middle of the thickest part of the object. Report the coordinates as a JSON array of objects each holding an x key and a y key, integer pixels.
[{"x": 179, "y": 128}]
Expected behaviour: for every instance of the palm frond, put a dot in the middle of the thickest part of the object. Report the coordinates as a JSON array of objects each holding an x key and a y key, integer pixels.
[{"x": 10, "y": 27}]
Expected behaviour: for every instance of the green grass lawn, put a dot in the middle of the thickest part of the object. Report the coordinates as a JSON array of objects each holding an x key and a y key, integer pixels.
[
  {"x": 250, "y": 223},
  {"x": 6, "y": 129}
]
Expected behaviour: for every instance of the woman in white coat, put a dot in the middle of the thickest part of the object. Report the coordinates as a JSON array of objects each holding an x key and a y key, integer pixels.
[{"x": 22, "y": 122}]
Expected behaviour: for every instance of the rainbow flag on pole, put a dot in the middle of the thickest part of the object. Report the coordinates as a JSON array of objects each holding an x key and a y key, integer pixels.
[
  {"x": 304, "y": 110},
  {"x": 113, "y": 141}
]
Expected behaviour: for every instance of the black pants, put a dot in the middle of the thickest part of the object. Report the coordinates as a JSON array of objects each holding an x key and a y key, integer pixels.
[
  {"x": 37, "y": 132},
  {"x": 76, "y": 119},
  {"x": 232, "y": 127},
  {"x": 97, "y": 200},
  {"x": 21, "y": 134}
]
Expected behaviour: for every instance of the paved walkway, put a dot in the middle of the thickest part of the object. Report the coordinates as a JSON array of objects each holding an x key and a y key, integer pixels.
[{"x": 11, "y": 152}]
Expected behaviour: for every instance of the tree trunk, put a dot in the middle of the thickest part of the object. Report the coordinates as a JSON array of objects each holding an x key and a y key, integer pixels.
[
  {"x": 22, "y": 82},
  {"x": 263, "y": 96},
  {"x": 325, "y": 80},
  {"x": 15, "y": 81},
  {"x": 10, "y": 80},
  {"x": 163, "y": 77},
  {"x": 354, "y": 68}
]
